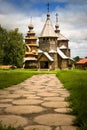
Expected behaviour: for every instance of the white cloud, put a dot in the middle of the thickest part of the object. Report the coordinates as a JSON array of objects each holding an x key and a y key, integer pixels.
[
  {"x": 72, "y": 21},
  {"x": 73, "y": 24},
  {"x": 6, "y": 8}
]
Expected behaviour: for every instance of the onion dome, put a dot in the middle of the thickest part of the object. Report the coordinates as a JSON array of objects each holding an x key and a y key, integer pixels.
[{"x": 30, "y": 26}]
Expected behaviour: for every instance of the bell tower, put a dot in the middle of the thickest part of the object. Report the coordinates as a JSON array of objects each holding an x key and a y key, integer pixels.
[{"x": 31, "y": 53}]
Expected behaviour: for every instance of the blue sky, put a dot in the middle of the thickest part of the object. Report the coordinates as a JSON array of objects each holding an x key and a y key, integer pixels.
[
  {"x": 27, "y": 6},
  {"x": 72, "y": 19}
]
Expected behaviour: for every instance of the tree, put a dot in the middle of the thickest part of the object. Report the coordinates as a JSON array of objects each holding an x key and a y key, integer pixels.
[
  {"x": 3, "y": 41},
  {"x": 77, "y": 58},
  {"x": 14, "y": 49}
]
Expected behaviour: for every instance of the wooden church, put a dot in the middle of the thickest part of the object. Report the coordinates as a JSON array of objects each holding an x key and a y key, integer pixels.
[{"x": 51, "y": 52}]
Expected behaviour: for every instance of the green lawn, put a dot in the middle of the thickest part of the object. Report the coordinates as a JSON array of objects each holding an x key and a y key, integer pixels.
[
  {"x": 13, "y": 77},
  {"x": 74, "y": 80}
]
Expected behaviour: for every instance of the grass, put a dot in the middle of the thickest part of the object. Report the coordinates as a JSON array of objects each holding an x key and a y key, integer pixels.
[
  {"x": 76, "y": 82},
  {"x": 9, "y": 127},
  {"x": 14, "y": 128},
  {"x": 13, "y": 77}
]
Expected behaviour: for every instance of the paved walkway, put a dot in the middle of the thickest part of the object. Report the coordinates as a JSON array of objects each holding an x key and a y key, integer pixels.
[{"x": 38, "y": 102}]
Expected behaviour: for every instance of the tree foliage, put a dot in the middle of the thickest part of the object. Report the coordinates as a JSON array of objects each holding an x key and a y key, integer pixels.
[
  {"x": 11, "y": 47},
  {"x": 3, "y": 42},
  {"x": 77, "y": 58}
]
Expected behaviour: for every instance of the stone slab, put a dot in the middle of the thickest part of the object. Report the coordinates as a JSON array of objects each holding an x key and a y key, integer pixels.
[
  {"x": 3, "y": 96},
  {"x": 37, "y": 127},
  {"x": 6, "y": 100},
  {"x": 13, "y": 120},
  {"x": 28, "y": 95},
  {"x": 13, "y": 96},
  {"x": 24, "y": 109},
  {"x": 4, "y": 105},
  {"x": 62, "y": 110},
  {"x": 47, "y": 94},
  {"x": 22, "y": 92},
  {"x": 64, "y": 95},
  {"x": 67, "y": 128},
  {"x": 1, "y": 109},
  {"x": 33, "y": 97},
  {"x": 13, "y": 88},
  {"x": 3, "y": 92},
  {"x": 54, "y": 99},
  {"x": 55, "y": 104},
  {"x": 54, "y": 119},
  {"x": 26, "y": 101}
]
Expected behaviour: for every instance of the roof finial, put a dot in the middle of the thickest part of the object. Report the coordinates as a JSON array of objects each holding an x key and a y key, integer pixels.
[
  {"x": 57, "y": 25},
  {"x": 30, "y": 25},
  {"x": 48, "y": 7},
  {"x": 48, "y": 15},
  {"x": 56, "y": 18},
  {"x": 31, "y": 20}
]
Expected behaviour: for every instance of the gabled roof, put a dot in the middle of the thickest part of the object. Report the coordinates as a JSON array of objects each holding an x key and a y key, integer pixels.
[
  {"x": 52, "y": 51},
  {"x": 62, "y": 55},
  {"x": 63, "y": 47},
  {"x": 82, "y": 61},
  {"x": 33, "y": 44},
  {"x": 61, "y": 37},
  {"x": 48, "y": 30},
  {"x": 29, "y": 49},
  {"x": 47, "y": 55},
  {"x": 40, "y": 51},
  {"x": 30, "y": 59}
]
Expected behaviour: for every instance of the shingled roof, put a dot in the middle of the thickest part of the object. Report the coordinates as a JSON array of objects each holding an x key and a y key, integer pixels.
[
  {"x": 61, "y": 37},
  {"x": 62, "y": 47},
  {"x": 82, "y": 61},
  {"x": 47, "y": 56},
  {"x": 48, "y": 30},
  {"x": 62, "y": 55}
]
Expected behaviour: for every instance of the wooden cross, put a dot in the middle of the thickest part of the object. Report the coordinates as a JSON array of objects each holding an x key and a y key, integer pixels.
[
  {"x": 48, "y": 7},
  {"x": 31, "y": 20},
  {"x": 56, "y": 18}
]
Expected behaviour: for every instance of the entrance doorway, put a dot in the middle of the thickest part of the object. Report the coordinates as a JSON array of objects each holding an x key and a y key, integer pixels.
[{"x": 44, "y": 64}]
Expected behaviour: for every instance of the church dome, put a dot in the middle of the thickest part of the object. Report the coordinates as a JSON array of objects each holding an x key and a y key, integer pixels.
[{"x": 30, "y": 26}]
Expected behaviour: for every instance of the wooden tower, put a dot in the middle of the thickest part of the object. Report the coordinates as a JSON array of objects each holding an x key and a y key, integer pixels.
[{"x": 30, "y": 60}]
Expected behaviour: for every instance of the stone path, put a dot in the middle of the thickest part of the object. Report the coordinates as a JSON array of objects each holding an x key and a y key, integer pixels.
[{"x": 38, "y": 102}]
